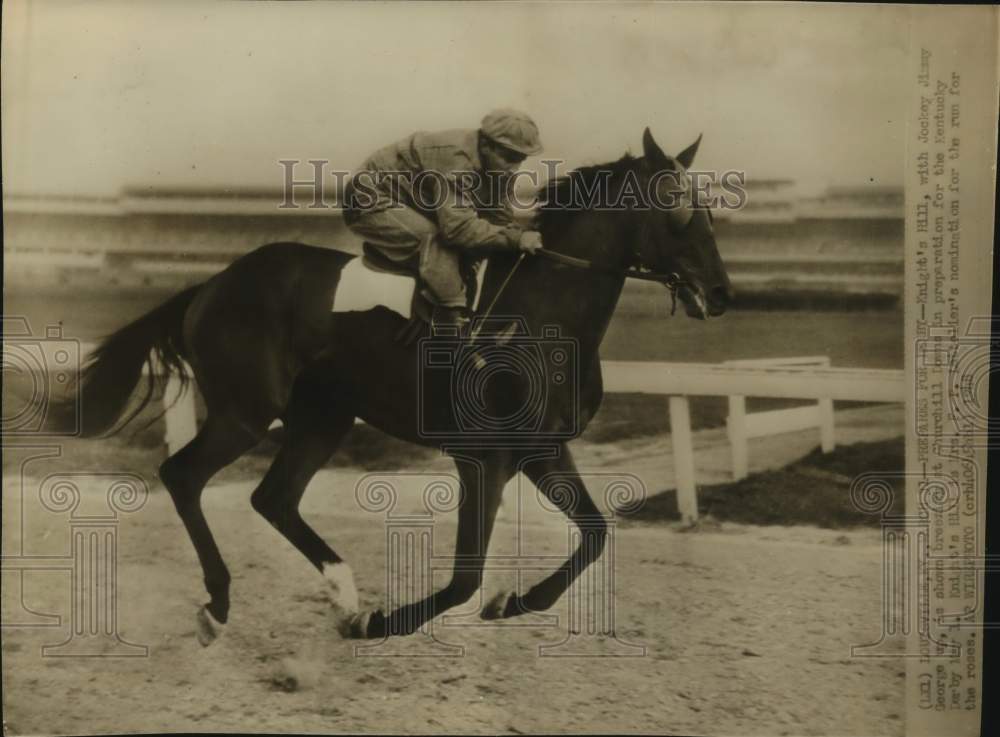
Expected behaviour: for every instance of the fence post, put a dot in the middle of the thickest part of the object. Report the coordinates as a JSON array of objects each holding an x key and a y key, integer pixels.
[
  {"x": 680, "y": 433},
  {"x": 736, "y": 424}
]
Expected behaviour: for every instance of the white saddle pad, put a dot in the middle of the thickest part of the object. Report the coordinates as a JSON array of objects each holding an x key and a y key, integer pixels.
[{"x": 361, "y": 289}]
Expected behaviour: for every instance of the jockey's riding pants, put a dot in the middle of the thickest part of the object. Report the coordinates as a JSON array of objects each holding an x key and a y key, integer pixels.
[{"x": 403, "y": 234}]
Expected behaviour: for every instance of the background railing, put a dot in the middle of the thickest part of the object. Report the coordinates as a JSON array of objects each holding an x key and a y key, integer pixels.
[{"x": 807, "y": 377}]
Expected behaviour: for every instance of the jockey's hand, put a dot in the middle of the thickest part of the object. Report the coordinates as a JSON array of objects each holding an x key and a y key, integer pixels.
[{"x": 531, "y": 241}]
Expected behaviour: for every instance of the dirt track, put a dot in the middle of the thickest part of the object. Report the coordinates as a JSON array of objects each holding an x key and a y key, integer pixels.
[{"x": 746, "y": 631}]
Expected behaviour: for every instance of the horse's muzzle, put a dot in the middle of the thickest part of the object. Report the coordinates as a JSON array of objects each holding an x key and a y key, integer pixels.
[
  {"x": 719, "y": 299},
  {"x": 695, "y": 304}
]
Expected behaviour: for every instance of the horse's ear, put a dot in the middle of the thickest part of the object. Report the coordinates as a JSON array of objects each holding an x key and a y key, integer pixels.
[
  {"x": 686, "y": 157},
  {"x": 652, "y": 150}
]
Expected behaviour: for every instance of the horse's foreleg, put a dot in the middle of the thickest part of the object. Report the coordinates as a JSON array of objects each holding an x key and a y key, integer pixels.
[
  {"x": 558, "y": 479},
  {"x": 483, "y": 481}
]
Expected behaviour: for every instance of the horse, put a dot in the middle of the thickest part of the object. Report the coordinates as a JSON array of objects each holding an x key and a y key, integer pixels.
[{"x": 263, "y": 344}]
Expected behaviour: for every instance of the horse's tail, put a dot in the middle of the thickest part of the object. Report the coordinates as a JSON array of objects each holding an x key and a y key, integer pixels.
[{"x": 114, "y": 369}]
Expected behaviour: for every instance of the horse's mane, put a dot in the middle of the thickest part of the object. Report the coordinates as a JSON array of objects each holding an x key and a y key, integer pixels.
[{"x": 562, "y": 197}]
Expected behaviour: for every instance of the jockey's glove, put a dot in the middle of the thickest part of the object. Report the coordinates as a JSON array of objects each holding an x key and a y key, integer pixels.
[{"x": 530, "y": 241}]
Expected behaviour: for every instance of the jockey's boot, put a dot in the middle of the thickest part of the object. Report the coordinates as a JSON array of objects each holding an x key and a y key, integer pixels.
[{"x": 450, "y": 321}]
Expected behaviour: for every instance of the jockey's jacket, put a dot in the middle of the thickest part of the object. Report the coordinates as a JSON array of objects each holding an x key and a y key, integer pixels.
[{"x": 452, "y": 157}]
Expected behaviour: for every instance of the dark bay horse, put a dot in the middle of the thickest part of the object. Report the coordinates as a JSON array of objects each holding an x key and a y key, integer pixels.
[{"x": 263, "y": 344}]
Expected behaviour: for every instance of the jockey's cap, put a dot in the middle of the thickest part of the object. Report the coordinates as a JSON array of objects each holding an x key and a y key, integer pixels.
[{"x": 513, "y": 129}]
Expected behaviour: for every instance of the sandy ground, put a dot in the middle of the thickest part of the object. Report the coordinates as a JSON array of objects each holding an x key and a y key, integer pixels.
[{"x": 731, "y": 629}]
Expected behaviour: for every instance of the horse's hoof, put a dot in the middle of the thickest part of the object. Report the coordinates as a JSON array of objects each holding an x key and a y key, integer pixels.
[
  {"x": 365, "y": 625},
  {"x": 353, "y": 626},
  {"x": 499, "y": 606},
  {"x": 209, "y": 628}
]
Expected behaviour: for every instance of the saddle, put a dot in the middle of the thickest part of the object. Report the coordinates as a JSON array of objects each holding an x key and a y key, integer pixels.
[
  {"x": 421, "y": 307},
  {"x": 422, "y": 304}
]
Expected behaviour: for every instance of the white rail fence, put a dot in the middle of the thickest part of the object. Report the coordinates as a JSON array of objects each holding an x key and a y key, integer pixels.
[
  {"x": 680, "y": 381},
  {"x": 742, "y": 426},
  {"x": 808, "y": 377}
]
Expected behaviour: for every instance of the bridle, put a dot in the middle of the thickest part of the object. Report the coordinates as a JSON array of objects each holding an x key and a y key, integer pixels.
[{"x": 671, "y": 281}]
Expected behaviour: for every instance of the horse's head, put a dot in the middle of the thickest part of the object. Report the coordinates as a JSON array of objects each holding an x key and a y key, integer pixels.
[{"x": 675, "y": 233}]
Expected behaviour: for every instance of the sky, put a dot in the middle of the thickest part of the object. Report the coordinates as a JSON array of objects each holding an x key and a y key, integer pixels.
[{"x": 99, "y": 95}]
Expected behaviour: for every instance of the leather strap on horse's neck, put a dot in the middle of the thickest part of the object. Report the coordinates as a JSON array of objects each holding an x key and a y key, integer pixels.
[{"x": 671, "y": 280}]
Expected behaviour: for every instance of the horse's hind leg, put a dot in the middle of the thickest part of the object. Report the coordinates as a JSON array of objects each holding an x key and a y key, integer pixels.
[
  {"x": 218, "y": 443},
  {"x": 313, "y": 430}
]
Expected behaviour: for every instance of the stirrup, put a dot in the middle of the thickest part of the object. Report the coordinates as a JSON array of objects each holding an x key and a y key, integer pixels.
[{"x": 450, "y": 321}]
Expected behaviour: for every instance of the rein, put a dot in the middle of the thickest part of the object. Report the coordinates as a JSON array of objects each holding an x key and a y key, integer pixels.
[
  {"x": 671, "y": 281},
  {"x": 489, "y": 310}
]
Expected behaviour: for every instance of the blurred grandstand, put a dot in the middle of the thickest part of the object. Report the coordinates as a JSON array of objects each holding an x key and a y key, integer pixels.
[{"x": 843, "y": 246}]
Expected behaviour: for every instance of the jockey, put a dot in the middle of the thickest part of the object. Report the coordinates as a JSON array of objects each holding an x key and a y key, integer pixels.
[{"x": 435, "y": 202}]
